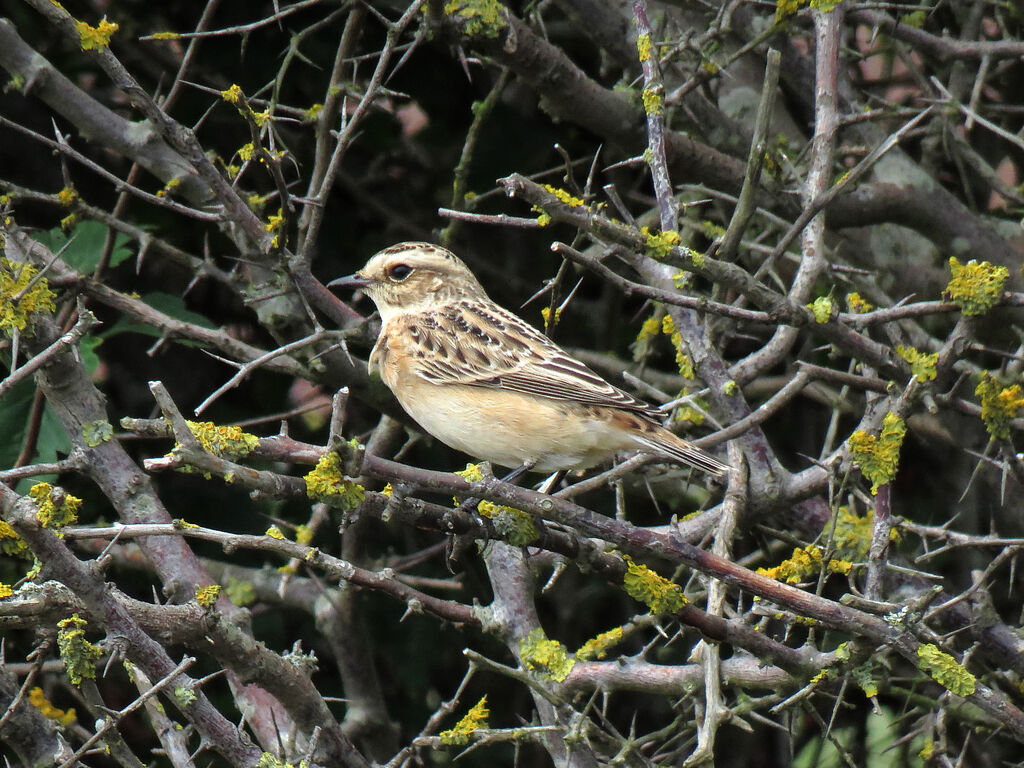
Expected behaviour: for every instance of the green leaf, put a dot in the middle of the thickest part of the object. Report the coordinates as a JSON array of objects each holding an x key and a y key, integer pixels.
[
  {"x": 88, "y": 346},
  {"x": 169, "y": 304},
  {"x": 87, "y": 239},
  {"x": 15, "y": 410}
]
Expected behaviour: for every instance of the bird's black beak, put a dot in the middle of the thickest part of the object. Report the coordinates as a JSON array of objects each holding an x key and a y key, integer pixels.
[{"x": 353, "y": 282}]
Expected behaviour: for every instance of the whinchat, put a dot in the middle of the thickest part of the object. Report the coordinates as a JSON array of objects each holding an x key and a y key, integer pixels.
[{"x": 485, "y": 382}]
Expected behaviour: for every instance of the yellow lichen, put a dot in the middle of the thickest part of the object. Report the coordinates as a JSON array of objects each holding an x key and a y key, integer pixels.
[
  {"x": 232, "y": 95},
  {"x": 564, "y": 197},
  {"x": 683, "y": 360},
  {"x": 312, "y": 114},
  {"x": 77, "y": 653},
  {"x": 643, "y": 47},
  {"x": 659, "y": 246},
  {"x": 945, "y": 670},
  {"x": 246, "y": 152},
  {"x": 598, "y": 647},
  {"x": 471, "y": 474},
  {"x": 549, "y": 657},
  {"x": 786, "y": 8},
  {"x": 68, "y": 195},
  {"x": 922, "y": 365},
  {"x": 275, "y": 533},
  {"x": 804, "y": 562},
  {"x": 473, "y": 720},
  {"x": 975, "y": 287},
  {"x": 656, "y": 592},
  {"x": 644, "y": 339},
  {"x": 55, "y": 507},
  {"x": 207, "y": 596},
  {"x": 303, "y": 534},
  {"x": 169, "y": 187},
  {"x": 18, "y": 301},
  {"x": 93, "y": 38},
  {"x": 38, "y": 699},
  {"x": 878, "y": 457},
  {"x": 165, "y": 35},
  {"x": 327, "y": 483},
  {"x": 652, "y": 101},
  {"x": 226, "y": 442},
  {"x": 546, "y": 314},
  {"x": 5, "y": 591},
  {"x": 999, "y": 405},
  {"x": 274, "y": 222},
  {"x": 858, "y": 304},
  {"x": 11, "y": 544}
]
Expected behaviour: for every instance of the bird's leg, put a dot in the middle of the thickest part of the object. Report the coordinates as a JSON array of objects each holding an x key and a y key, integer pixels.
[
  {"x": 457, "y": 545},
  {"x": 551, "y": 482}
]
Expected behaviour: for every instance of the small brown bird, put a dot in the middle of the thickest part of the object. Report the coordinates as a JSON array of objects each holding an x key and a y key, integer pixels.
[{"x": 481, "y": 380}]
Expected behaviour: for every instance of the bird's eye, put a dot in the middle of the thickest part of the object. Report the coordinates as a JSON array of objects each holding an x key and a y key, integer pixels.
[{"x": 399, "y": 272}]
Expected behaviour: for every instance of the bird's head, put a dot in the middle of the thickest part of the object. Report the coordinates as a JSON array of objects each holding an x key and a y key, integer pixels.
[{"x": 409, "y": 277}]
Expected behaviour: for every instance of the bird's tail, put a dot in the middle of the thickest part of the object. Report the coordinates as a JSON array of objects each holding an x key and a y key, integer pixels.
[{"x": 669, "y": 445}]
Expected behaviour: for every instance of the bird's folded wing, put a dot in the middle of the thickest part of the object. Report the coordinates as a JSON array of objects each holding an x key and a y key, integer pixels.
[{"x": 485, "y": 346}]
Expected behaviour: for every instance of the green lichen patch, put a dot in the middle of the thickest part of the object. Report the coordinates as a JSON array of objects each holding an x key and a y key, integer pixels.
[
  {"x": 327, "y": 483},
  {"x": 513, "y": 525},
  {"x": 77, "y": 653},
  {"x": 184, "y": 696},
  {"x": 479, "y": 18},
  {"x": 945, "y": 670},
  {"x": 239, "y": 592},
  {"x": 999, "y": 405},
  {"x": 549, "y": 657},
  {"x": 656, "y": 592},
  {"x": 878, "y": 456},
  {"x": 821, "y": 308},
  {"x": 474, "y": 720},
  {"x": 96, "y": 432},
  {"x": 21, "y": 295},
  {"x": 975, "y": 287}
]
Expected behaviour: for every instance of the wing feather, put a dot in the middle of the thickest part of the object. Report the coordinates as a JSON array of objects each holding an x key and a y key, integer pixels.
[{"x": 484, "y": 346}]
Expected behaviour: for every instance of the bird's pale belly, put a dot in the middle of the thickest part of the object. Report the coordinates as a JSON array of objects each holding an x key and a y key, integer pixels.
[{"x": 509, "y": 428}]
